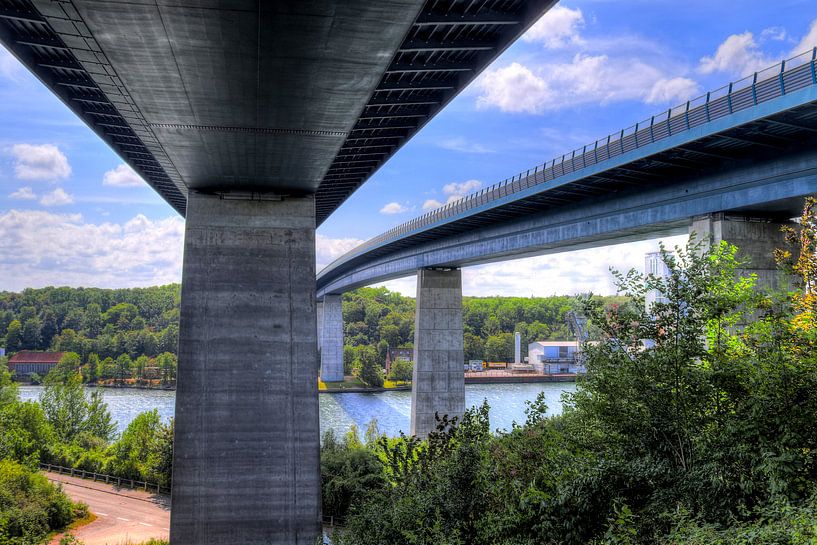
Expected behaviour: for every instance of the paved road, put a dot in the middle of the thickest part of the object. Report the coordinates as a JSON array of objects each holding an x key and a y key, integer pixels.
[{"x": 123, "y": 515}]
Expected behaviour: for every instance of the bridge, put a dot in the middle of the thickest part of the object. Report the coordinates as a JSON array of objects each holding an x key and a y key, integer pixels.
[
  {"x": 730, "y": 165},
  {"x": 255, "y": 120}
]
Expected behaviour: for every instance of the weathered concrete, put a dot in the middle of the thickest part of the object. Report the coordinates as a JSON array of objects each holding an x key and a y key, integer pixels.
[
  {"x": 756, "y": 239},
  {"x": 332, "y": 342},
  {"x": 320, "y": 325},
  {"x": 246, "y": 461},
  {"x": 438, "y": 384}
]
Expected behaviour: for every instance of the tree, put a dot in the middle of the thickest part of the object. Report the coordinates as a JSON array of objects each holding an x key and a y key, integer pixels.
[
  {"x": 8, "y": 388},
  {"x": 166, "y": 362},
  {"x": 474, "y": 348},
  {"x": 401, "y": 370},
  {"x": 499, "y": 347},
  {"x": 65, "y": 407},
  {"x": 122, "y": 369},
  {"x": 14, "y": 336},
  {"x": 371, "y": 372}
]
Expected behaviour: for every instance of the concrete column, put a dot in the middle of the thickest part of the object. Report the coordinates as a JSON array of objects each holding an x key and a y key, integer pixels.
[
  {"x": 756, "y": 239},
  {"x": 438, "y": 382},
  {"x": 246, "y": 465},
  {"x": 332, "y": 341},
  {"x": 320, "y": 325}
]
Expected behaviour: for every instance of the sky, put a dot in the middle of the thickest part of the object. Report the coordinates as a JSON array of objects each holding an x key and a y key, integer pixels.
[{"x": 71, "y": 213}]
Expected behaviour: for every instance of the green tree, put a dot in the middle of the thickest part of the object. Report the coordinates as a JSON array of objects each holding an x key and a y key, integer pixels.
[
  {"x": 474, "y": 347},
  {"x": 14, "y": 336},
  {"x": 371, "y": 372},
  {"x": 401, "y": 370},
  {"x": 64, "y": 404},
  {"x": 122, "y": 368},
  {"x": 499, "y": 347}
]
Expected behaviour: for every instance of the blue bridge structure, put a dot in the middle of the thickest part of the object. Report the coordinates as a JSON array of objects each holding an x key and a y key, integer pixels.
[{"x": 732, "y": 165}]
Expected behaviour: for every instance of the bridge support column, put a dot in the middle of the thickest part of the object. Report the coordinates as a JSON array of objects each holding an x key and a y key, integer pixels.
[
  {"x": 438, "y": 382},
  {"x": 332, "y": 339},
  {"x": 246, "y": 463},
  {"x": 756, "y": 239},
  {"x": 320, "y": 325}
]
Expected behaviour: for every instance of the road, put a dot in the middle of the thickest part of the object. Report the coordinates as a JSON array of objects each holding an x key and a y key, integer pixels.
[{"x": 123, "y": 515}]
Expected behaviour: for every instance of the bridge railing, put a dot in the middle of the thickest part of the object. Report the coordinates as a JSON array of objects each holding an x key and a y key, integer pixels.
[
  {"x": 108, "y": 479},
  {"x": 775, "y": 81}
]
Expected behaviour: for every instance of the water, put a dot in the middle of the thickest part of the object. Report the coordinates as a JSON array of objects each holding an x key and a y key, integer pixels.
[{"x": 339, "y": 411}]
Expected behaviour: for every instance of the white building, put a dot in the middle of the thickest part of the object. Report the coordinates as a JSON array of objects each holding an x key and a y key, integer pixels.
[
  {"x": 555, "y": 357},
  {"x": 654, "y": 265}
]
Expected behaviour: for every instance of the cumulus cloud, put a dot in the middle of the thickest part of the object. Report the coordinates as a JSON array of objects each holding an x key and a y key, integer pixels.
[
  {"x": 776, "y": 33},
  {"x": 565, "y": 273},
  {"x": 122, "y": 176},
  {"x": 40, "y": 162},
  {"x": 431, "y": 204},
  {"x": 599, "y": 79},
  {"x": 58, "y": 197},
  {"x": 739, "y": 55},
  {"x": 24, "y": 194},
  {"x": 459, "y": 190},
  {"x": 558, "y": 27},
  {"x": 39, "y": 248},
  {"x": 809, "y": 41},
  {"x": 673, "y": 90},
  {"x": 329, "y": 249},
  {"x": 462, "y": 145},
  {"x": 393, "y": 208}
]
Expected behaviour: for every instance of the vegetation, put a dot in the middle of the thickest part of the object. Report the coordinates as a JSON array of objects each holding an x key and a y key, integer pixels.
[
  {"x": 691, "y": 427},
  {"x": 30, "y": 506}
]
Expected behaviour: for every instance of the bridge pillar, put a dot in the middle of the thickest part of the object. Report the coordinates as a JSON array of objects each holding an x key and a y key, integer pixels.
[
  {"x": 332, "y": 339},
  {"x": 438, "y": 382},
  {"x": 246, "y": 465},
  {"x": 756, "y": 239},
  {"x": 319, "y": 309}
]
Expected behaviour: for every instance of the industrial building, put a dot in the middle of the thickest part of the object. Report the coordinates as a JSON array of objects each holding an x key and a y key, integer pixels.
[
  {"x": 555, "y": 357},
  {"x": 25, "y": 363}
]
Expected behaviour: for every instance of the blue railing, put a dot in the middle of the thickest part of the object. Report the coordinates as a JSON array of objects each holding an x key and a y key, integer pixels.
[{"x": 773, "y": 82}]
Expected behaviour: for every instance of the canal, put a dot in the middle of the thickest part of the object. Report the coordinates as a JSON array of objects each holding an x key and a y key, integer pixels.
[{"x": 340, "y": 411}]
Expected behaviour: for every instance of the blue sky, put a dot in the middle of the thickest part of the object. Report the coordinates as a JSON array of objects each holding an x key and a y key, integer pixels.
[{"x": 72, "y": 214}]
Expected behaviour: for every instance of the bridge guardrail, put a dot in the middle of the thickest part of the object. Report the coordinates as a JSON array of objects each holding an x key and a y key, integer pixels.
[
  {"x": 107, "y": 479},
  {"x": 767, "y": 84}
]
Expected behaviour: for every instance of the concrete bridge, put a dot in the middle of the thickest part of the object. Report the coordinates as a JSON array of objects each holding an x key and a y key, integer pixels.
[
  {"x": 731, "y": 165},
  {"x": 256, "y": 120}
]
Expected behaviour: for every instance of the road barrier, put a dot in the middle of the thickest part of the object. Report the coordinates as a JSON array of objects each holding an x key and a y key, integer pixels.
[{"x": 107, "y": 479}]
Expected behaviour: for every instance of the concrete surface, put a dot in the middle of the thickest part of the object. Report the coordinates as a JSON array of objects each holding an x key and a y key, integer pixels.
[
  {"x": 438, "y": 383},
  {"x": 332, "y": 341},
  {"x": 246, "y": 461},
  {"x": 756, "y": 238},
  {"x": 122, "y": 515}
]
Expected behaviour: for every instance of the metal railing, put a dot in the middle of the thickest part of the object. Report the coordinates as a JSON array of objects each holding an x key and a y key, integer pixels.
[
  {"x": 107, "y": 479},
  {"x": 787, "y": 76}
]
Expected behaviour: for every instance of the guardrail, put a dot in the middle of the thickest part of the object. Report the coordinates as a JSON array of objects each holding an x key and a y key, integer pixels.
[
  {"x": 773, "y": 82},
  {"x": 108, "y": 479}
]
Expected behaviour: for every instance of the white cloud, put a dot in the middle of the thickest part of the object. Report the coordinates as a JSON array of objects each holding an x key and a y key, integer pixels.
[
  {"x": 599, "y": 79},
  {"x": 673, "y": 90},
  {"x": 122, "y": 176},
  {"x": 808, "y": 42},
  {"x": 564, "y": 273},
  {"x": 776, "y": 33},
  {"x": 58, "y": 197},
  {"x": 431, "y": 204},
  {"x": 461, "y": 189},
  {"x": 40, "y": 248},
  {"x": 24, "y": 194},
  {"x": 393, "y": 208},
  {"x": 558, "y": 27},
  {"x": 329, "y": 249},
  {"x": 462, "y": 145},
  {"x": 40, "y": 162},
  {"x": 738, "y": 55}
]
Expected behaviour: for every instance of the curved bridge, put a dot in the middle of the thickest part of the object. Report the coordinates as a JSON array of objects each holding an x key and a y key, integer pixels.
[{"x": 745, "y": 149}]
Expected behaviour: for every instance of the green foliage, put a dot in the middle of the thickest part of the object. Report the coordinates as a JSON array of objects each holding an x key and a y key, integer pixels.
[
  {"x": 71, "y": 413},
  {"x": 370, "y": 368},
  {"x": 30, "y": 506},
  {"x": 694, "y": 424},
  {"x": 401, "y": 370},
  {"x": 499, "y": 347},
  {"x": 144, "y": 450}
]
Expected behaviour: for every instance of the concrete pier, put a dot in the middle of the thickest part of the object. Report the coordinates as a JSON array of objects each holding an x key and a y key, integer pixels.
[
  {"x": 320, "y": 325},
  {"x": 332, "y": 339},
  {"x": 246, "y": 461},
  {"x": 756, "y": 239},
  {"x": 438, "y": 381}
]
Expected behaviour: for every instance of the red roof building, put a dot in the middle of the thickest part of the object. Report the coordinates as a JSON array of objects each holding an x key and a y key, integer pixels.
[{"x": 25, "y": 363}]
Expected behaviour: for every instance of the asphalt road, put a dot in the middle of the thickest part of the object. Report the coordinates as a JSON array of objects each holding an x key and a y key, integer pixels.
[{"x": 123, "y": 515}]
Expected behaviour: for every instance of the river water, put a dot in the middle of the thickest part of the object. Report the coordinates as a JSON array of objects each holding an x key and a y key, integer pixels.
[{"x": 339, "y": 412}]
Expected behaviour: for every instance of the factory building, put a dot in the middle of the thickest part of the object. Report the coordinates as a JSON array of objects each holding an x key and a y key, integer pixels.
[
  {"x": 25, "y": 363},
  {"x": 555, "y": 357}
]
